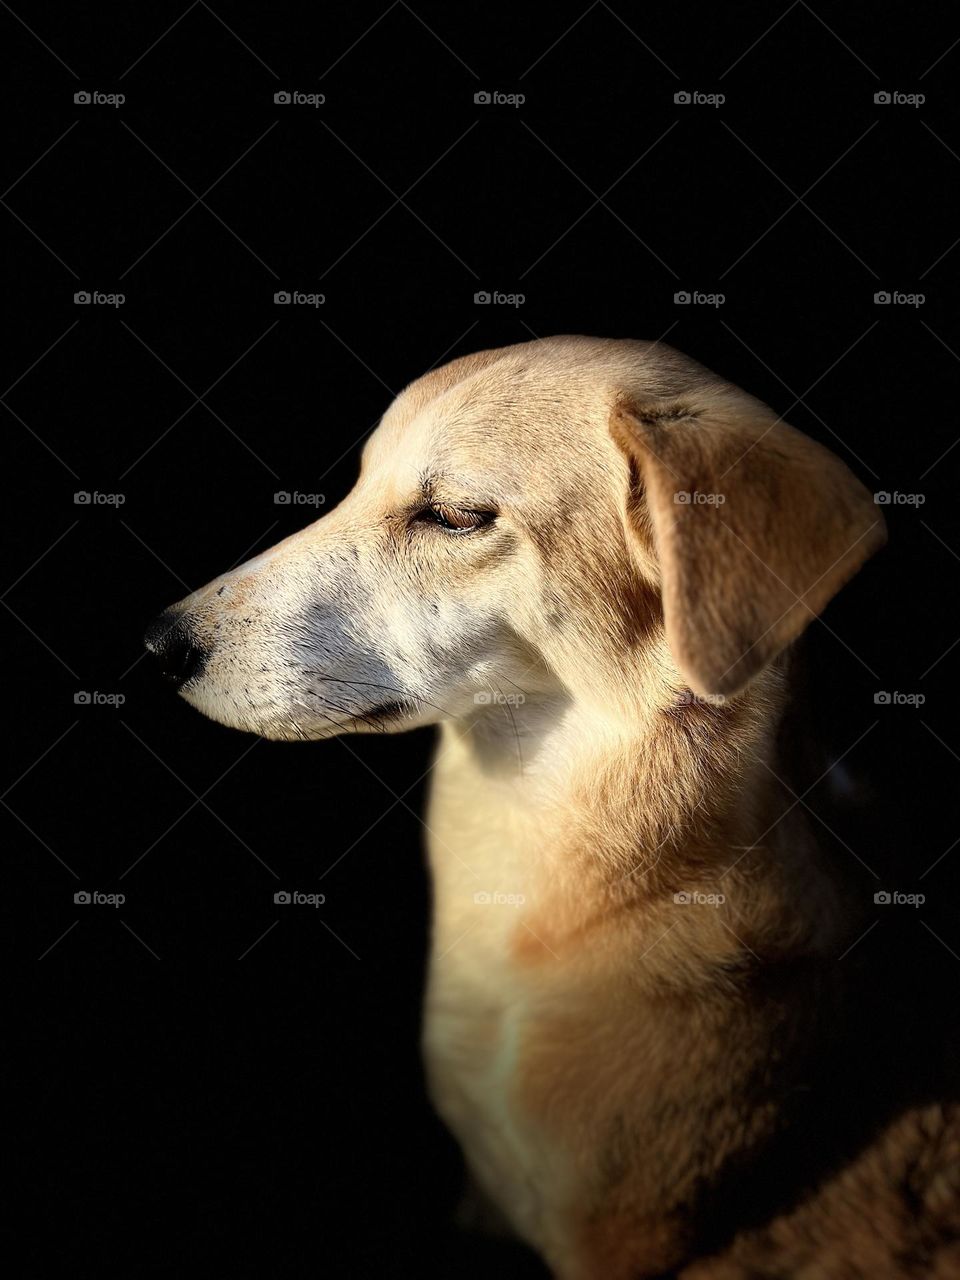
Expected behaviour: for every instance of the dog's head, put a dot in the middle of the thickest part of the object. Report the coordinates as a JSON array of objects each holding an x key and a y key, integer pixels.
[{"x": 553, "y": 520}]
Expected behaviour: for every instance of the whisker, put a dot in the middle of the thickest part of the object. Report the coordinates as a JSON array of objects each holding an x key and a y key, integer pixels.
[
  {"x": 375, "y": 725},
  {"x": 513, "y": 721},
  {"x": 371, "y": 684},
  {"x": 500, "y": 676}
]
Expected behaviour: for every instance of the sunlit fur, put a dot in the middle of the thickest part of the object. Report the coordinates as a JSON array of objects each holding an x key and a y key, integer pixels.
[{"x": 601, "y": 1052}]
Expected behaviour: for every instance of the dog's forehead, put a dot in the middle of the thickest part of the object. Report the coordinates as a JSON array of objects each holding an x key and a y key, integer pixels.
[{"x": 508, "y": 419}]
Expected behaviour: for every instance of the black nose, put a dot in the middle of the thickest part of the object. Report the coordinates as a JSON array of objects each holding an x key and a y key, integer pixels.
[{"x": 172, "y": 644}]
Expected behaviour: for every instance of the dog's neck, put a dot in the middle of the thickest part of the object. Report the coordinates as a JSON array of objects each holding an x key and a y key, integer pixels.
[{"x": 587, "y": 824}]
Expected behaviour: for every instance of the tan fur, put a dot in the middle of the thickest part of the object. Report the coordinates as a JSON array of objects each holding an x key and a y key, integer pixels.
[
  {"x": 787, "y": 525},
  {"x": 612, "y": 1060}
]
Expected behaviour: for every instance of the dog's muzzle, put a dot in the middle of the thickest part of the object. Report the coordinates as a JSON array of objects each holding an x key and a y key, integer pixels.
[{"x": 169, "y": 640}]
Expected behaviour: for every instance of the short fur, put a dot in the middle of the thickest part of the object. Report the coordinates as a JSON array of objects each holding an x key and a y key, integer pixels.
[{"x": 633, "y": 990}]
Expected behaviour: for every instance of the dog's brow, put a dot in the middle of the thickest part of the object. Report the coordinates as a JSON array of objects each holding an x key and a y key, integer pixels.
[
  {"x": 429, "y": 483},
  {"x": 437, "y": 484}
]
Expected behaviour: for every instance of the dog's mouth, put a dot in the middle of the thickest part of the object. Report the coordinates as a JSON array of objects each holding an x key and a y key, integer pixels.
[
  {"x": 387, "y": 711},
  {"x": 318, "y": 709},
  {"x": 294, "y": 726},
  {"x": 379, "y": 718},
  {"x": 317, "y": 727}
]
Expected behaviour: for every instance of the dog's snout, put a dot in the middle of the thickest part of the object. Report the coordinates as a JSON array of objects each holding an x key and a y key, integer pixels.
[{"x": 178, "y": 655}]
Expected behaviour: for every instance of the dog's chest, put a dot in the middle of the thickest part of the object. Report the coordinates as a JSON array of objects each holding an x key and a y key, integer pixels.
[
  {"x": 473, "y": 1045},
  {"x": 483, "y": 1009}
]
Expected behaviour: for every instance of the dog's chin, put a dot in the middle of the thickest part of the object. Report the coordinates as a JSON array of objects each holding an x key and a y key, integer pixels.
[
  {"x": 297, "y": 723},
  {"x": 386, "y": 717}
]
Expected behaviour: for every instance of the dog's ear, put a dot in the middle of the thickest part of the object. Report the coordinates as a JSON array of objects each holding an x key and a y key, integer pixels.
[{"x": 754, "y": 527}]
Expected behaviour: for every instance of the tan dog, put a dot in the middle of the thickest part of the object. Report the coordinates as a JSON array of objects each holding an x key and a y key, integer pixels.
[{"x": 584, "y": 559}]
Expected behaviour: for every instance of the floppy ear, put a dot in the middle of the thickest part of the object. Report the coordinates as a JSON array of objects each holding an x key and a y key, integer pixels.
[{"x": 754, "y": 526}]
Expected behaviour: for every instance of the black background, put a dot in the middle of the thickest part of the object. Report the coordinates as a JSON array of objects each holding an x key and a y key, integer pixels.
[{"x": 240, "y": 1082}]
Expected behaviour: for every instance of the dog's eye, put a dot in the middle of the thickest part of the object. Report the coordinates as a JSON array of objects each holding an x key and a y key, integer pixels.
[{"x": 455, "y": 519}]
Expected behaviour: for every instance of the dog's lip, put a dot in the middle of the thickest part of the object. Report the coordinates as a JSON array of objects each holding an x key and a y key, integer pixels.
[
  {"x": 386, "y": 711},
  {"x": 192, "y": 668}
]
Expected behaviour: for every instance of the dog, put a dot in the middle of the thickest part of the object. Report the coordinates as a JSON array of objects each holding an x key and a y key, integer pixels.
[{"x": 587, "y": 560}]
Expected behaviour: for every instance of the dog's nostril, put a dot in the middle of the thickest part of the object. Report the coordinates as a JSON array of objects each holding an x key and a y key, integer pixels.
[{"x": 170, "y": 641}]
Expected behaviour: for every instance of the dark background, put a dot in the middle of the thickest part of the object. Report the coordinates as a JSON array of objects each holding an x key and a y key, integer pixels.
[{"x": 217, "y": 1079}]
